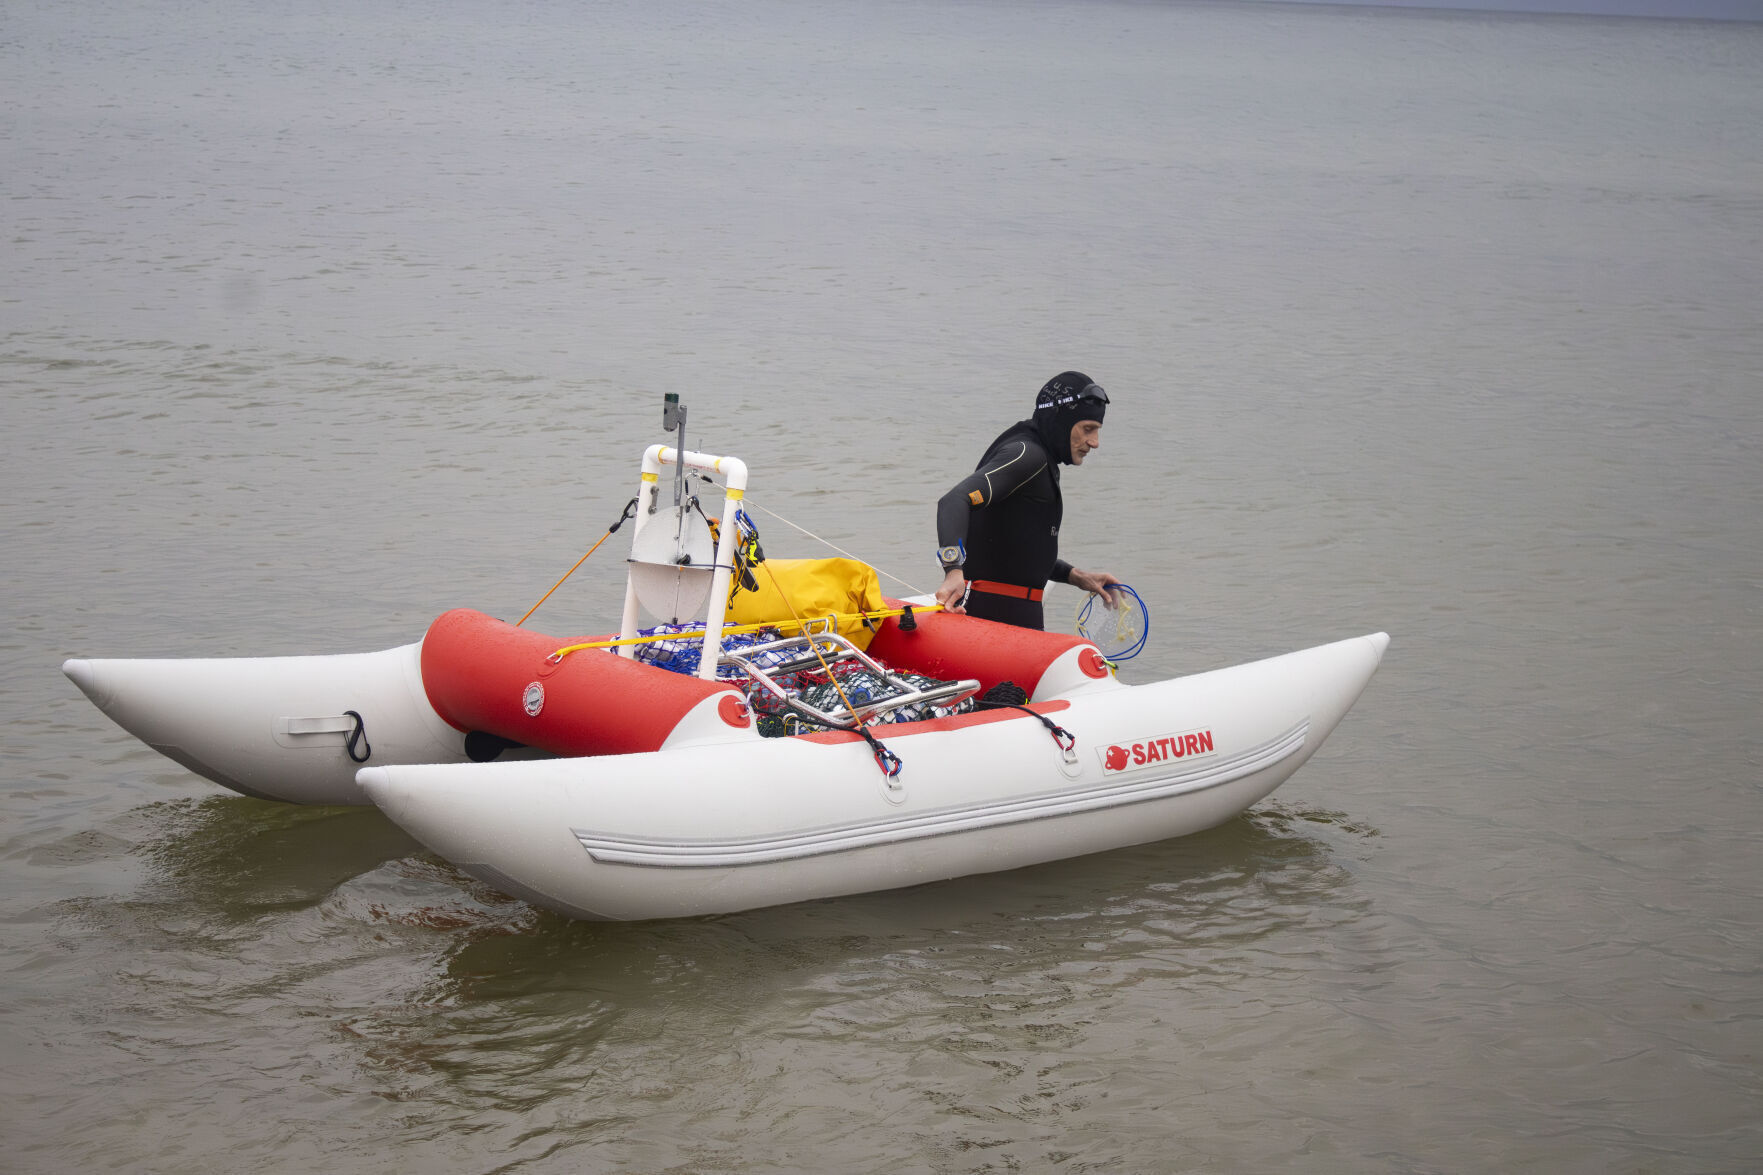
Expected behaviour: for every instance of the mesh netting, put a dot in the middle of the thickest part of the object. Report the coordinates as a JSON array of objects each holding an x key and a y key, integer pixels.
[
  {"x": 1120, "y": 631},
  {"x": 773, "y": 718}
]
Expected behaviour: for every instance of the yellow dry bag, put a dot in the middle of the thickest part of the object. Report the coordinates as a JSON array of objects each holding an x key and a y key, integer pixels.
[{"x": 810, "y": 589}]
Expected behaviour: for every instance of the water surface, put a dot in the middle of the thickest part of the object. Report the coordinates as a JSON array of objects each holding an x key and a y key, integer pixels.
[{"x": 319, "y": 323}]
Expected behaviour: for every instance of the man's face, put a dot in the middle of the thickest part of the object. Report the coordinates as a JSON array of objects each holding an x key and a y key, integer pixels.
[{"x": 1085, "y": 435}]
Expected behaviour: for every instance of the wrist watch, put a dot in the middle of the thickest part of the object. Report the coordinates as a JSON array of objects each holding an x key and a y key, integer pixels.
[{"x": 952, "y": 556}]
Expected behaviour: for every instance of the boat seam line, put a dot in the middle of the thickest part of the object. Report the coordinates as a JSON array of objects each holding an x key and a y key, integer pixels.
[{"x": 846, "y": 838}]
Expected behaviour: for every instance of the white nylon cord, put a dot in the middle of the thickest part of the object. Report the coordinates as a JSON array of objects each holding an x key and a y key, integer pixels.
[{"x": 917, "y": 591}]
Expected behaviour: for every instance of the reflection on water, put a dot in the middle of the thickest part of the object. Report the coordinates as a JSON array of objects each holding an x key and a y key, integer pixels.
[
  {"x": 242, "y": 855},
  {"x": 412, "y": 985},
  {"x": 1267, "y": 870},
  {"x": 1005, "y": 961},
  {"x": 232, "y": 859}
]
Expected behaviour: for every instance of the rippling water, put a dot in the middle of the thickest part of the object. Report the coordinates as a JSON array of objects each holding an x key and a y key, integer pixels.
[{"x": 319, "y": 323}]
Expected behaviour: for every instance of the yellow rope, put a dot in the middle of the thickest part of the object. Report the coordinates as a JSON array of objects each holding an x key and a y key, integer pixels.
[
  {"x": 738, "y": 629},
  {"x": 797, "y": 620},
  {"x": 566, "y": 575},
  {"x": 813, "y": 646}
]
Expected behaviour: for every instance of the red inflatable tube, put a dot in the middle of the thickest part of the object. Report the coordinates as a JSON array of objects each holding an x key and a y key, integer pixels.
[
  {"x": 953, "y": 648},
  {"x": 483, "y": 674}
]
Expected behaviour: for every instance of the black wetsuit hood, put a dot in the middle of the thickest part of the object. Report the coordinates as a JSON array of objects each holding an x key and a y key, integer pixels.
[
  {"x": 1054, "y": 435},
  {"x": 1059, "y": 407}
]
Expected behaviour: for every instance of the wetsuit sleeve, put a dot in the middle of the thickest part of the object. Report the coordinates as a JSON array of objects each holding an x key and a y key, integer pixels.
[
  {"x": 1061, "y": 571},
  {"x": 999, "y": 476}
]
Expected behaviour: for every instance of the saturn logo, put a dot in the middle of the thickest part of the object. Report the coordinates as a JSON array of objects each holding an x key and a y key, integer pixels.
[
  {"x": 1119, "y": 757},
  {"x": 533, "y": 699}
]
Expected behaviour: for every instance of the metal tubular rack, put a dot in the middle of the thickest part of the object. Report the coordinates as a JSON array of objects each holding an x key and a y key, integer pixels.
[{"x": 824, "y": 650}]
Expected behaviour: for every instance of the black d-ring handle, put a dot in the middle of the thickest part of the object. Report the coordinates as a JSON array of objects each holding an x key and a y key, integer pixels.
[{"x": 358, "y": 736}]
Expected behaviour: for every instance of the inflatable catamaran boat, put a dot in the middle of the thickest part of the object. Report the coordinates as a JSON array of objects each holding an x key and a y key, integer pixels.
[{"x": 827, "y": 740}]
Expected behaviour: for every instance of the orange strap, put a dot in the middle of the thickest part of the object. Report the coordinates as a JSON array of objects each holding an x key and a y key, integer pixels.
[{"x": 1014, "y": 591}]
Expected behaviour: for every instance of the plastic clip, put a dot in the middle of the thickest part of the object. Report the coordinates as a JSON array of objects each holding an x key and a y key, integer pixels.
[{"x": 357, "y": 737}]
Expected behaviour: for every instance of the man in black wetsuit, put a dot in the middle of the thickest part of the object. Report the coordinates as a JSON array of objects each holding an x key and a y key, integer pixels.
[{"x": 998, "y": 529}]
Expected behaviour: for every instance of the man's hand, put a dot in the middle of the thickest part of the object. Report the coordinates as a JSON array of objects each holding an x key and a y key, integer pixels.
[
  {"x": 1096, "y": 582},
  {"x": 953, "y": 591}
]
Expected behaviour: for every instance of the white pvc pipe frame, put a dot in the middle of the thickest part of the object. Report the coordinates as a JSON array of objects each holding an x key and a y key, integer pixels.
[{"x": 734, "y": 472}]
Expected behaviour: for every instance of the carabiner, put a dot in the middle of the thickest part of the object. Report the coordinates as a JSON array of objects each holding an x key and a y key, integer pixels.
[{"x": 357, "y": 737}]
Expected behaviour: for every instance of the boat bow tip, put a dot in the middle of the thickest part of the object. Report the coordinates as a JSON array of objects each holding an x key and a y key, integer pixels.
[
  {"x": 1379, "y": 641},
  {"x": 85, "y": 675},
  {"x": 375, "y": 781}
]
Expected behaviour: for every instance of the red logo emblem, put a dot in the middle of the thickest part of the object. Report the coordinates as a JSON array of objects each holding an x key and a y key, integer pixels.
[{"x": 1156, "y": 750}]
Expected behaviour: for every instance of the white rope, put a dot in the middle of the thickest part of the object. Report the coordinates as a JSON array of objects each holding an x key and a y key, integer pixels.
[{"x": 917, "y": 591}]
